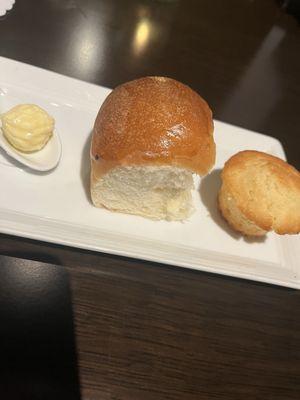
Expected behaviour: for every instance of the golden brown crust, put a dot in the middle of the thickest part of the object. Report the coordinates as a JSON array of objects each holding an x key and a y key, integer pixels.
[
  {"x": 265, "y": 189},
  {"x": 233, "y": 215},
  {"x": 153, "y": 120}
]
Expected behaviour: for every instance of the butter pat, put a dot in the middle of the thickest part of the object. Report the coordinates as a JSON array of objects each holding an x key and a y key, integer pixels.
[{"x": 27, "y": 127}]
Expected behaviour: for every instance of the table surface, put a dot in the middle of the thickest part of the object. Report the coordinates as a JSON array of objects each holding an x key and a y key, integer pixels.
[{"x": 145, "y": 330}]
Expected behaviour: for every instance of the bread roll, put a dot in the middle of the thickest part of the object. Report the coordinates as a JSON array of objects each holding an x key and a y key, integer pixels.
[
  {"x": 260, "y": 193},
  {"x": 149, "y": 137}
]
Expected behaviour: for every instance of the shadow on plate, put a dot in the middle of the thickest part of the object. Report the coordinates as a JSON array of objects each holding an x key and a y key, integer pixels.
[
  {"x": 85, "y": 168},
  {"x": 209, "y": 188},
  {"x": 255, "y": 239}
]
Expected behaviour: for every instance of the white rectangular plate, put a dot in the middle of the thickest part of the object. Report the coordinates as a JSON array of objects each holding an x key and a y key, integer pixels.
[{"x": 56, "y": 207}]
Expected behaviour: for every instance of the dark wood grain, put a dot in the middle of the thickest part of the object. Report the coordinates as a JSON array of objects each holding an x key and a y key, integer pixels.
[
  {"x": 37, "y": 341},
  {"x": 150, "y": 331},
  {"x": 146, "y": 330},
  {"x": 174, "y": 334}
]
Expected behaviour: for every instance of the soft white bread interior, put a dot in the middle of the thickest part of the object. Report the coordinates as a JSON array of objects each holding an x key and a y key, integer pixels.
[
  {"x": 150, "y": 191},
  {"x": 149, "y": 137}
]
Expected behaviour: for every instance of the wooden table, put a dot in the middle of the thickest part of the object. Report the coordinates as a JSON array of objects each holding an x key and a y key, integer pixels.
[{"x": 149, "y": 331}]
